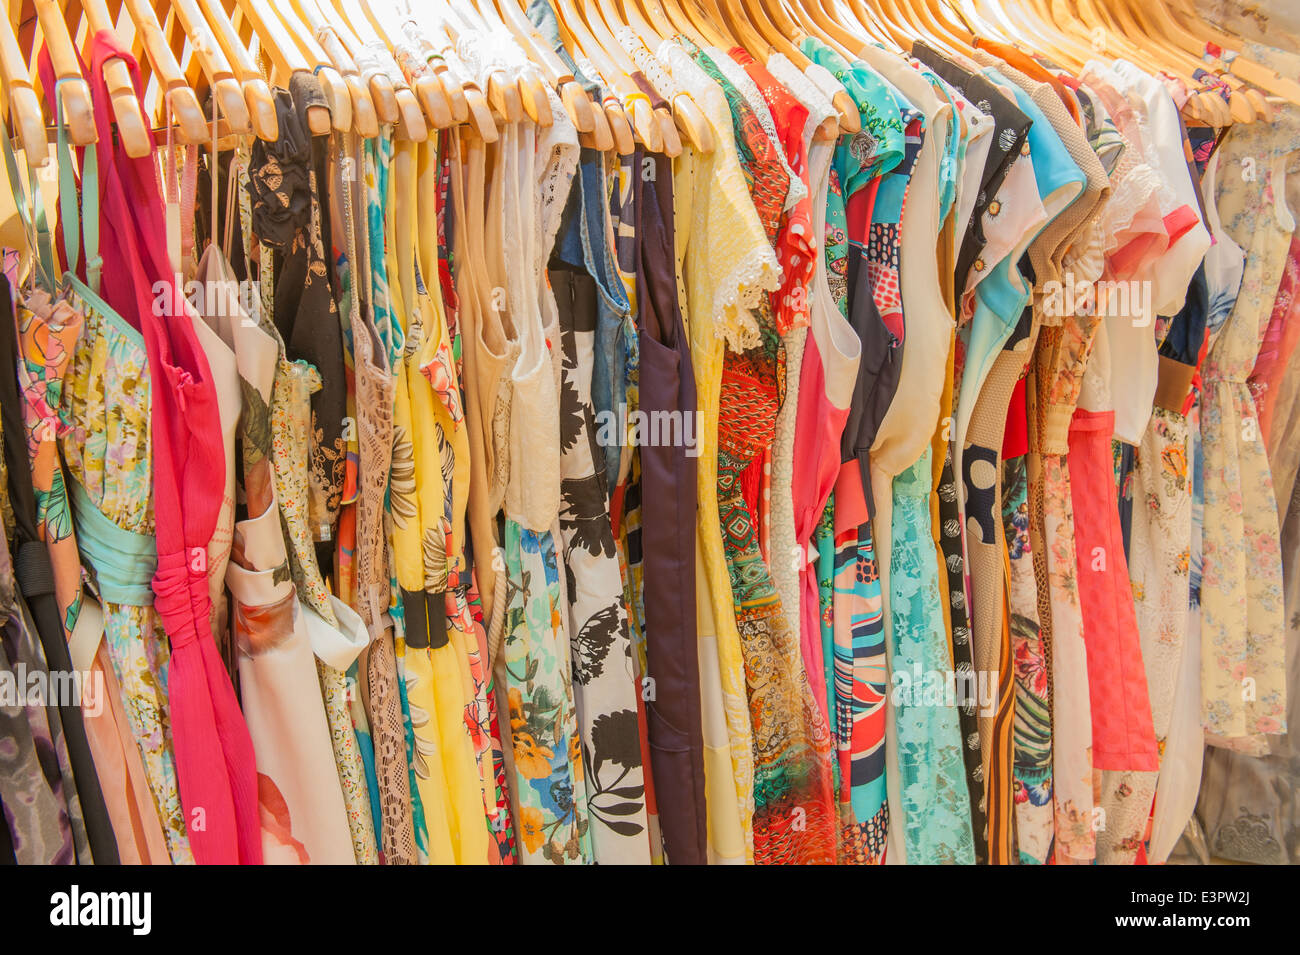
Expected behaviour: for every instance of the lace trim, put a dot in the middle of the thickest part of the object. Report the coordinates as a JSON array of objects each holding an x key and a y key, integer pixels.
[
  {"x": 741, "y": 291},
  {"x": 1129, "y": 194},
  {"x": 756, "y": 273},
  {"x": 805, "y": 90},
  {"x": 742, "y": 81},
  {"x": 646, "y": 62}
]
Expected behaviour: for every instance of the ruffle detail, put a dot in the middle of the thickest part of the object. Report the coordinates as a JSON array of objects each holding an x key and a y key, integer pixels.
[{"x": 740, "y": 292}]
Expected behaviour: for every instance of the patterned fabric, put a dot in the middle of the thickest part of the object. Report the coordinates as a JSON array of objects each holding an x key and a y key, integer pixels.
[
  {"x": 858, "y": 642},
  {"x": 794, "y": 811},
  {"x": 860, "y": 680},
  {"x": 765, "y": 175},
  {"x": 1056, "y": 569},
  {"x": 291, "y": 436},
  {"x": 377, "y": 667},
  {"x": 1032, "y": 731},
  {"x": 466, "y": 622},
  {"x": 46, "y": 343},
  {"x": 440, "y": 363},
  {"x": 1159, "y": 567},
  {"x": 935, "y": 799},
  {"x": 549, "y": 792},
  {"x": 32, "y": 793},
  {"x": 1243, "y": 636},
  {"x": 107, "y": 451},
  {"x": 597, "y": 618},
  {"x": 377, "y": 172},
  {"x": 795, "y": 248}
]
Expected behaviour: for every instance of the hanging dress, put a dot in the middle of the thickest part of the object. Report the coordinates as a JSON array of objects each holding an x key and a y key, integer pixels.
[
  {"x": 1243, "y": 636},
  {"x": 286, "y": 220},
  {"x": 304, "y": 819}
]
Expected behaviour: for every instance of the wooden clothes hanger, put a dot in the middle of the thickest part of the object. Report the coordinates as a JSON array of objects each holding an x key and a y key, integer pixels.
[
  {"x": 744, "y": 30},
  {"x": 674, "y": 15},
  {"x": 73, "y": 90},
  {"x": 659, "y": 133},
  {"x": 1025, "y": 30},
  {"x": 397, "y": 24},
  {"x": 256, "y": 91},
  {"x": 365, "y": 114},
  {"x": 977, "y": 23},
  {"x": 1174, "y": 62},
  {"x": 666, "y": 115},
  {"x": 772, "y": 35},
  {"x": 529, "y": 84},
  {"x": 849, "y": 117},
  {"x": 690, "y": 119},
  {"x": 872, "y": 20},
  {"x": 430, "y": 92},
  {"x": 499, "y": 88},
  {"x": 957, "y": 29},
  {"x": 637, "y": 109},
  {"x": 335, "y": 89},
  {"x": 335, "y": 25},
  {"x": 20, "y": 94},
  {"x": 133, "y": 128},
  {"x": 175, "y": 91},
  {"x": 409, "y": 114},
  {"x": 939, "y": 33},
  {"x": 710, "y": 25},
  {"x": 575, "y": 36},
  {"x": 905, "y": 31},
  {"x": 285, "y": 57},
  {"x": 185, "y": 25},
  {"x": 601, "y": 135},
  {"x": 436, "y": 44},
  {"x": 1261, "y": 75},
  {"x": 815, "y": 26},
  {"x": 557, "y": 73},
  {"x": 1204, "y": 101}
]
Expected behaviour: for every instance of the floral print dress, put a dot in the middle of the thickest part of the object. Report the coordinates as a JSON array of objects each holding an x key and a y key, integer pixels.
[
  {"x": 794, "y": 812},
  {"x": 1243, "y": 638},
  {"x": 107, "y": 450}
]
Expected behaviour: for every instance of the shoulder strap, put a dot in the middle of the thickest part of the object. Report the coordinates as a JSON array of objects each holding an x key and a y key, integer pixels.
[
  {"x": 31, "y": 209},
  {"x": 180, "y": 189},
  {"x": 80, "y": 220}
]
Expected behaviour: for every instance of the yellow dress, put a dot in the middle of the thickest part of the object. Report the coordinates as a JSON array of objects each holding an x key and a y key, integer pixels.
[{"x": 426, "y": 438}]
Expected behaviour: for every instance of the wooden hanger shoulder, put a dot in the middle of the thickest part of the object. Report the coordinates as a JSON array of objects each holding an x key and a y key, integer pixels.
[
  {"x": 257, "y": 94},
  {"x": 24, "y": 105},
  {"x": 78, "y": 112}
]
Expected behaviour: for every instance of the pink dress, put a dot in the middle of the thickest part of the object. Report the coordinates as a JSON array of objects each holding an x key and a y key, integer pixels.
[
  {"x": 1123, "y": 736},
  {"x": 1280, "y": 338},
  {"x": 214, "y": 753}
]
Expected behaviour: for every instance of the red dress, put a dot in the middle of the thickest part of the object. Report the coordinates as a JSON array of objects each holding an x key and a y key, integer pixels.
[{"x": 215, "y": 765}]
